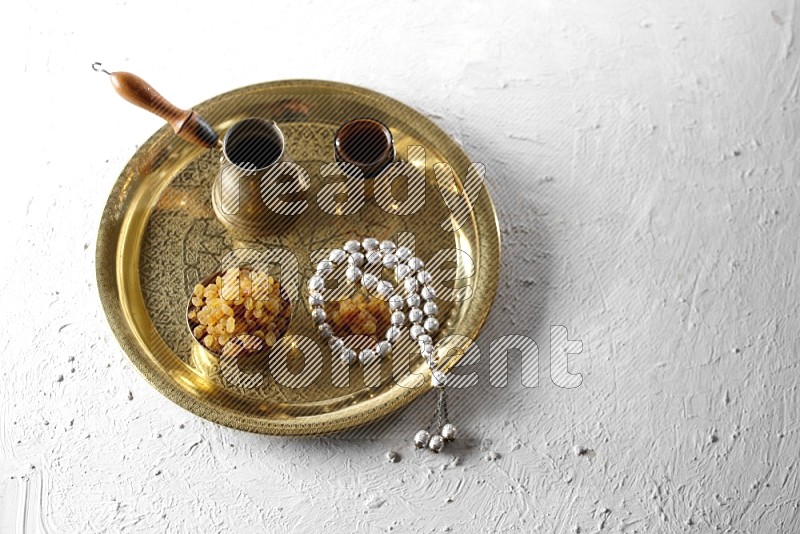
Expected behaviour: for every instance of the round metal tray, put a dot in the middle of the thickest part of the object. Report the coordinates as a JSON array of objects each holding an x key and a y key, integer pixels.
[{"x": 159, "y": 236}]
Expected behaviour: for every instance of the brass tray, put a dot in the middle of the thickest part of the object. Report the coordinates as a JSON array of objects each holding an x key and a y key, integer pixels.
[{"x": 159, "y": 236}]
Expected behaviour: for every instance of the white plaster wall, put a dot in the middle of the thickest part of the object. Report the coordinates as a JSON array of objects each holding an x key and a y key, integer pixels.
[{"x": 644, "y": 159}]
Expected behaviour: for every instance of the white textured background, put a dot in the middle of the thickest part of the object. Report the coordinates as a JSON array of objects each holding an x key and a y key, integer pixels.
[{"x": 644, "y": 160}]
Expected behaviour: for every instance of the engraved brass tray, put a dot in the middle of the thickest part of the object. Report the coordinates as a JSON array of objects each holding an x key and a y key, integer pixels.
[{"x": 159, "y": 236}]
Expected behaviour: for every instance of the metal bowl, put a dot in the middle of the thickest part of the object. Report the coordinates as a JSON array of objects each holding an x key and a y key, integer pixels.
[{"x": 159, "y": 235}]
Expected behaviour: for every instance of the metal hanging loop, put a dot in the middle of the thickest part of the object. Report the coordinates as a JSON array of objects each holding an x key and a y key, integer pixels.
[{"x": 98, "y": 67}]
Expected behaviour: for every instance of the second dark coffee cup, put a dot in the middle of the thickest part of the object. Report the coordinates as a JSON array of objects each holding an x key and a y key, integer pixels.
[{"x": 365, "y": 144}]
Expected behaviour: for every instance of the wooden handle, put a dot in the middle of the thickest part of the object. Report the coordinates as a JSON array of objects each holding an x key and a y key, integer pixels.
[{"x": 186, "y": 123}]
